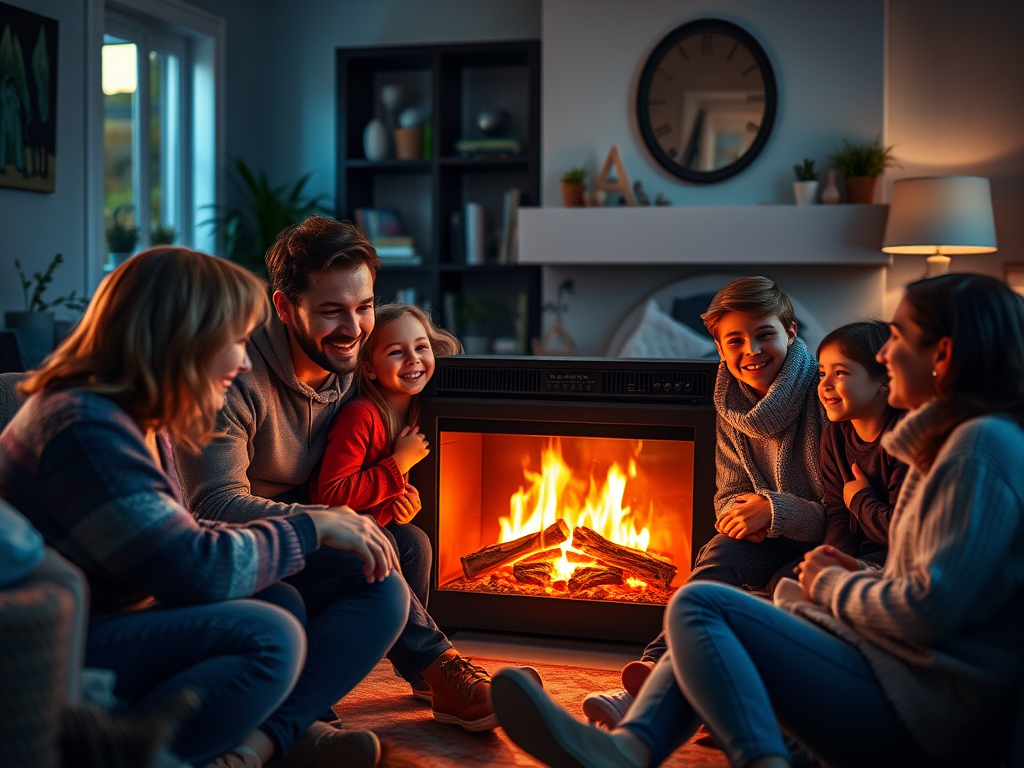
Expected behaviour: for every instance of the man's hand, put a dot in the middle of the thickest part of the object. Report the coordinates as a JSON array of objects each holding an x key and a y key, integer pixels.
[
  {"x": 750, "y": 514},
  {"x": 407, "y": 505},
  {"x": 817, "y": 560},
  {"x": 852, "y": 488},
  {"x": 342, "y": 528},
  {"x": 411, "y": 447}
]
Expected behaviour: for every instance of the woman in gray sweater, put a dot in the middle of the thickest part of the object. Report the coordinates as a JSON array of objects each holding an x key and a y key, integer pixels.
[{"x": 918, "y": 664}]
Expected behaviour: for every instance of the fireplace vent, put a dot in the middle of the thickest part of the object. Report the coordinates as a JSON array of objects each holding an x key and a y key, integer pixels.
[{"x": 494, "y": 381}]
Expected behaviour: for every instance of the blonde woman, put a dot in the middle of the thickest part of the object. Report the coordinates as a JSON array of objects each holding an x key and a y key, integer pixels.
[{"x": 88, "y": 461}]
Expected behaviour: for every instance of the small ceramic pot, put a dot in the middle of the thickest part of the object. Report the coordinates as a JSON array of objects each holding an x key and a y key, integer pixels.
[
  {"x": 860, "y": 189},
  {"x": 572, "y": 194},
  {"x": 830, "y": 194},
  {"x": 805, "y": 192},
  {"x": 595, "y": 198},
  {"x": 35, "y": 335}
]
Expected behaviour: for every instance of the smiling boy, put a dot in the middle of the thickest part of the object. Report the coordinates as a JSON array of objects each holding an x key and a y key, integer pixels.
[{"x": 768, "y": 503}]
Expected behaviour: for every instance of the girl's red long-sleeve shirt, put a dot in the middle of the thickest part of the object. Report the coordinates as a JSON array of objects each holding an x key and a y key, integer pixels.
[{"x": 357, "y": 468}]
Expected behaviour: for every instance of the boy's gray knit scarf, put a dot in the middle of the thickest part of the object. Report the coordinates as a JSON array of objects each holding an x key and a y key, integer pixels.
[{"x": 784, "y": 403}]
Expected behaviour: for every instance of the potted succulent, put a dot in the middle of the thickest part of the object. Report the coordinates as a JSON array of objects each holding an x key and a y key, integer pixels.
[
  {"x": 861, "y": 165},
  {"x": 34, "y": 325},
  {"x": 573, "y": 185},
  {"x": 162, "y": 235},
  {"x": 805, "y": 188},
  {"x": 122, "y": 236}
]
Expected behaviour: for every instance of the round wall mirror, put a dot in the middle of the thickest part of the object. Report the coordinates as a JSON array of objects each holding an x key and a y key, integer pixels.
[{"x": 706, "y": 100}]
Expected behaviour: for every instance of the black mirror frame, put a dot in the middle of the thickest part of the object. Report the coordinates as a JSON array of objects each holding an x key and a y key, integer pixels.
[{"x": 771, "y": 96}]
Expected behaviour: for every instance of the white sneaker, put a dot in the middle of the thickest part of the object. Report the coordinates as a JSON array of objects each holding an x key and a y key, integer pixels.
[{"x": 607, "y": 709}]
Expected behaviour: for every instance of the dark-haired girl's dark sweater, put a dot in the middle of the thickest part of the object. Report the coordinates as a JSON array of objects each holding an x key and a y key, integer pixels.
[{"x": 863, "y": 529}]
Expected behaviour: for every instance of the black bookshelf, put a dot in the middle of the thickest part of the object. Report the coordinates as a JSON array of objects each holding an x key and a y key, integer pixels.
[{"x": 453, "y": 82}]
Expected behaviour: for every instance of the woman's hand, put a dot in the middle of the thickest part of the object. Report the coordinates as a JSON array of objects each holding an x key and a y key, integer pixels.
[
  {"x": 342, "y": 528},
  {"x": 817, "y": 560},
  {"x": 750, "y": 514},
  {"x": 411, "y": 447},
  {"x": 855, "y": 486},
  {"x": 407, "y": 505}
]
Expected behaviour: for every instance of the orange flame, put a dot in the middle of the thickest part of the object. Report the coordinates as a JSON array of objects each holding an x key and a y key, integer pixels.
[{"x": 553, "y": 493}]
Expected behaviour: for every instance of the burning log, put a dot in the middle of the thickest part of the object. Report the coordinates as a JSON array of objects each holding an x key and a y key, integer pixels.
[
  {"x": 584, "y": 578},
  {"x": 538, "y": 573},
  {"x": 649, "y": 567},
  {"x": 544, "y": 556},
  {"x": 495, "y": 555}
]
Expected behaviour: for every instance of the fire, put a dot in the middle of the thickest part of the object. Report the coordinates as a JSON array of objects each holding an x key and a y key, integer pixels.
[{"x": 596, "y": 502}]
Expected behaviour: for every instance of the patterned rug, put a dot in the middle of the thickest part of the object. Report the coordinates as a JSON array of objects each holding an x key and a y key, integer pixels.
[{"x": 384, "y": 704}]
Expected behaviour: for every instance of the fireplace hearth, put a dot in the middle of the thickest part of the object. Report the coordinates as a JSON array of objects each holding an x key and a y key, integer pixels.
[{"x": 565, "y": 496}]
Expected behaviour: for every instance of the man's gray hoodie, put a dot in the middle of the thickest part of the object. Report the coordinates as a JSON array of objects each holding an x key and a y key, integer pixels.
[{"x": 275, "y": 430}]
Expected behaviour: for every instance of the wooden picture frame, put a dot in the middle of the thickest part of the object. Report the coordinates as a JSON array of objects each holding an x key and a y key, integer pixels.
[{"x": 28, "y": 100}]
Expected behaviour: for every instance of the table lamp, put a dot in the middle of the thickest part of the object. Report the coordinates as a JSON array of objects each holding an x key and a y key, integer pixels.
[{"x": 940, "y": 216}]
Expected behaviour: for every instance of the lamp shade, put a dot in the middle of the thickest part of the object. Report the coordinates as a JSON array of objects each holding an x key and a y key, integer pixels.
[{"x": 940, "y": 216}]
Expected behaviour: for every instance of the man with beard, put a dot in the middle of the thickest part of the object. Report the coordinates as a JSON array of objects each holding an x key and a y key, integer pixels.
[{"x": 275, "y": 423}]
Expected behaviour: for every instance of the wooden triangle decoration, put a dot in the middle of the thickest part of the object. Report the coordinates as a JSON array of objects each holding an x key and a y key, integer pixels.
[
  {"x": 621, "y": 183},
  {"x": 556, "y": 342}
]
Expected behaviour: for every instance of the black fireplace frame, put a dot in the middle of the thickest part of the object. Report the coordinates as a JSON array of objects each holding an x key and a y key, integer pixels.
[{"x": 624, "y": 394}]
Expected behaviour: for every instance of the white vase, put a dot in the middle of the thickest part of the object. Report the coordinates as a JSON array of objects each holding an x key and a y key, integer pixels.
[
  {"x": 375, "y": 140},
  {"x": 805, "y": 192}
]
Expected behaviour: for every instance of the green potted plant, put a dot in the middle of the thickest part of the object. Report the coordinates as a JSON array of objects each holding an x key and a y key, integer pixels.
[
  {"x": 573, "y": 186},
  {"x": 162, "y": 235},
  {"x": 122, "y": 236},
  {"x": 861, "y": 165},
  {"x": 805, "y": 188},
  {"x": 34, "y": 324},
  {"x": 250, "y": 229},
  {"x": 478, "y": 320}
]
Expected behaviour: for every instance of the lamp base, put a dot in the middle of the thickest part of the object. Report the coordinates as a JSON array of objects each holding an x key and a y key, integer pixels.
[{"x": 938, "y": 264}]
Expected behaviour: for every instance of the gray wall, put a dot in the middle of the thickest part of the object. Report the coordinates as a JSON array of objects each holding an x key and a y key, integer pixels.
[{"x": 35, "y": 226}]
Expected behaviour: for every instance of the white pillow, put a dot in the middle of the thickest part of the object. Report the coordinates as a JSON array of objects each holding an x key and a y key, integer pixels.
[{"x": 659, "y": 335}]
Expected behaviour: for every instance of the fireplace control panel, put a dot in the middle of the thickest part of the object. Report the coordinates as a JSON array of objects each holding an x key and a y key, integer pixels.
[{"x": 599, "y": 379}]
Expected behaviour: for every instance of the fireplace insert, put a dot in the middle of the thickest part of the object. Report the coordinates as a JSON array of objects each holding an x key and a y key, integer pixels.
[{"x": 565, "y": 496}]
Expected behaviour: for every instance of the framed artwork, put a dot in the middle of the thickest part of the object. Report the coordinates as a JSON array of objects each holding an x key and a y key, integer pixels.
[
  {"x": 1013, "y": 274},
  {"x": 28, "y": 100}
]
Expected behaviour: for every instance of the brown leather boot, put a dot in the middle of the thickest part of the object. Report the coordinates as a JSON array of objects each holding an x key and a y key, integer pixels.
[{"x": 460, "y": 692}]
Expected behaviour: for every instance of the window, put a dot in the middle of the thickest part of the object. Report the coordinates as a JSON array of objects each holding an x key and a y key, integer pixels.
[{"x": 159, "y": 128}]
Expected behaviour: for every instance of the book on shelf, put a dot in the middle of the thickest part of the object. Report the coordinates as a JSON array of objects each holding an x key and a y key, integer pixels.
[
  {"x": 385, "y": 251},
  {"x": 410, "y": 260},
  {"x": 492, "y": 145},
  {"x": 509, "y": 222},
  {"x": 379, "y": 223}
]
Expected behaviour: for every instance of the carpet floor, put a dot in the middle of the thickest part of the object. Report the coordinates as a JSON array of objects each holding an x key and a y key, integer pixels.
[{"x": 384, "y": 704}]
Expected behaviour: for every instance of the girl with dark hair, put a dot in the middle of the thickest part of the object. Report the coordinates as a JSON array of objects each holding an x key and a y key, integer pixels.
[
  {"x": 915, "y": 664},
  {"x": 862, "y": 480}
]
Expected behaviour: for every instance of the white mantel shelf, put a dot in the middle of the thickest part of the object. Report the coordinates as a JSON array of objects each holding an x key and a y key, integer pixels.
[{"x": 741, "y": 234}]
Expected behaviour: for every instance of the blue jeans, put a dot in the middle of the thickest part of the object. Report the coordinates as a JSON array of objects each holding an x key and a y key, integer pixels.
[
  {"x": 745, "y": 668},
  {"x": 741, "y": 564},
  {"x": 252, "y": 661},
  {"x": 420, "y": 642}
]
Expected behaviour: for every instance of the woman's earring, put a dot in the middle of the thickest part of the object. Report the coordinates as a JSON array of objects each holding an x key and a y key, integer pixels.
[
  {"x": 935, "y": 374},
  {"x": 372, "y": 375},
  {"x": 883, "y": 388}
]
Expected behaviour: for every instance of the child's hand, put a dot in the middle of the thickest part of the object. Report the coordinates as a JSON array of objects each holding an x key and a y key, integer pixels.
[
  {"x": 852, "y": 488},
  {"x": 750, "y": 513},
  {"x": 411, "y": 447},
  {"x": 407, "y": 505}
]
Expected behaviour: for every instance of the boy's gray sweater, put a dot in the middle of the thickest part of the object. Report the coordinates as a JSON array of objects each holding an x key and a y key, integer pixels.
[
  {"x": 771, "y": 446},
  {"x": 275, "y": 430}
]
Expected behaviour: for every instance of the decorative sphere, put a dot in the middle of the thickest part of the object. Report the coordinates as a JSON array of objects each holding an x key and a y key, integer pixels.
[
  {"x": 492, "y": 121},
  {"x": 391, "y": 96},
  {"x": 410, "y": 117}
]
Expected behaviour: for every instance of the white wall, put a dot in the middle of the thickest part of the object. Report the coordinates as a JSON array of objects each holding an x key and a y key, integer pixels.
[
  {"x": 829, "y": 66},
  {"x": 955, "y": 106},
  {"x": 35, "y": 226}
]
